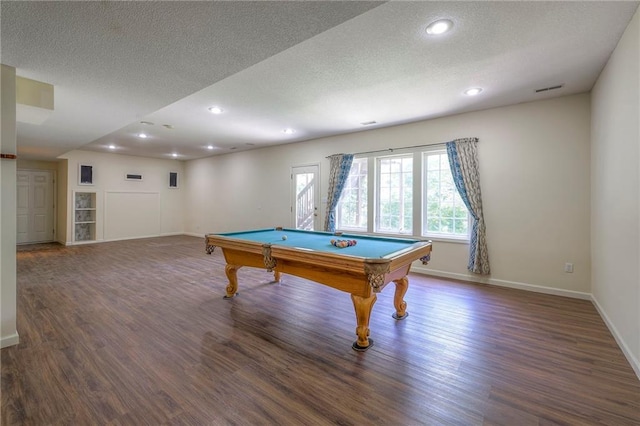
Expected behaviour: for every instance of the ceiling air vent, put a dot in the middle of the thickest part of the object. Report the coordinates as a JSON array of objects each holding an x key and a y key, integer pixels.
[
  {"x": 546, "y": 89},
  {"x": 368, "y": 123}
]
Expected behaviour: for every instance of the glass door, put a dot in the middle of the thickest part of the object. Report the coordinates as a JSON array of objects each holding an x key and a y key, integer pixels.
[{"x": 305, "y": 188}]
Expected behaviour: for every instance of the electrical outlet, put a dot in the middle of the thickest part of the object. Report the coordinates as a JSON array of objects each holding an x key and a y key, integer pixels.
[{"x": 568, "y": 267}]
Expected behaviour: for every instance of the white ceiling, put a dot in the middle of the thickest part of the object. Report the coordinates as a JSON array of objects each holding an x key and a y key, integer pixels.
[{"x": 321, "y": 68}]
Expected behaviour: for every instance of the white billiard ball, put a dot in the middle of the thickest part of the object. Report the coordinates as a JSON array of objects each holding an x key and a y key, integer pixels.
[{"x": 284, "y": 237}]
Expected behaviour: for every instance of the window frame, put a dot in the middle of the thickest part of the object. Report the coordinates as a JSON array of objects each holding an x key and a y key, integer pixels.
[
  {"x": 419, "y": 197},
  {"x": 377, "y": 195},
  {"x": 423, "y": 211}
]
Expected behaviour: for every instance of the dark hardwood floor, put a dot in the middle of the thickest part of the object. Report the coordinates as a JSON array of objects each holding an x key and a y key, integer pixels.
[{"x": 137, "y": 333}]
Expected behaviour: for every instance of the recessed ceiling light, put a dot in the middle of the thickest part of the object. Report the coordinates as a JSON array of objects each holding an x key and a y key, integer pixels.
[
  {"x": 143, "y": 135},
  {"x": 209, "y": 146},
  {"x": 472, "y": 92},
  {"x": 439, "y": 27},
  {"x": 174, "y": 155},
  {"x": 112, "y": 147},
  {"x": 215, "y": 110},
  {"x": 288, "y": 131}
]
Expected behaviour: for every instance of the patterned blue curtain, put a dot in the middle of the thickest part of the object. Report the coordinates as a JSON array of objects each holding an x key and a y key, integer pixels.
[
  {"x": 338, "y": 174},
  {"x": 463, "y": 160}
]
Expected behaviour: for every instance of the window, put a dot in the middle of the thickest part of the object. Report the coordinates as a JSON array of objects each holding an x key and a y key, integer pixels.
[
  {"x": 351, "y": 212},
  {"x": 379, "y": 194},
  {"x": 444, "y": 213},
  {"x": 394, "y": 207}
]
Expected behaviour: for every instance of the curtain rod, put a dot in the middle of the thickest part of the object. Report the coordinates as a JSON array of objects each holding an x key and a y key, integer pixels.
[
  {"x": 404, "y": 147},
  {"x": 395, "y": 149}
]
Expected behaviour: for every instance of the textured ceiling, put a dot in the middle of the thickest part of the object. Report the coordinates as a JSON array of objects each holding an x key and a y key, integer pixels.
[{"x": 321, "y": 68}]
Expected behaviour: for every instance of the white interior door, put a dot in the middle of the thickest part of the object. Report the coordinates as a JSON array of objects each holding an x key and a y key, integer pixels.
[
  {"x": 34, "y": 202},
  {"x": 305, "y": 192}
]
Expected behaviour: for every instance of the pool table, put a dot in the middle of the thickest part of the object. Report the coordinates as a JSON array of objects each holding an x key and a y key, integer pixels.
[{"x": 362, "y": 270}]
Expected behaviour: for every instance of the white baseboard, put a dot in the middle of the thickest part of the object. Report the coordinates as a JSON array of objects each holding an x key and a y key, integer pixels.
[
  {"x": 163, "y": 234},
  {"x": 10, "y": 340},
  {"x": 194, "y": 234},
  {"x": 140, "y": 237},
  {"x": 80, "y": 243},
  {"x": 503, "y": 283},
  {"x": 635, "y": 363}
]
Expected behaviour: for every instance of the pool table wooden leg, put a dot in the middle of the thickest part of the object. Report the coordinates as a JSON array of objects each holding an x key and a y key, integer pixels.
[
  {"x": 402, "y": 285},
  {"x": 363, "y": 306},
  {"x": 232, "y": 275}
]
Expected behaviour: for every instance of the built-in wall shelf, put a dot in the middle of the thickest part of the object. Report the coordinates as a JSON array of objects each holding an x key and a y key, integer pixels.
[{"x": 84, "y": 216}]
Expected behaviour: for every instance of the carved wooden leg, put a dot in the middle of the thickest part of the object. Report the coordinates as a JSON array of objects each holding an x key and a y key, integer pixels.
[
  {"x": 276, "y": 276},
  {"x": 363, "y": 306},
  {"x": 232, "y": 275},
  {"x": 402, "y": 285}
]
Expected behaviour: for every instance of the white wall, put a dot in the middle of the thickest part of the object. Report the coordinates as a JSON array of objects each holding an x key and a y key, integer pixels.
[
  {"x": 615, "y": 193},
  {"x": 164, "y": 217},
  {"x": 8, "y": 329},
  {"x": 534, "y": 158}
]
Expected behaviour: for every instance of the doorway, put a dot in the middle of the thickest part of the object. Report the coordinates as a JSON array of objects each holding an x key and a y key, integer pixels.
[
  {"x": 305, "y": 192},
  {"x": 34, "y": 205}
]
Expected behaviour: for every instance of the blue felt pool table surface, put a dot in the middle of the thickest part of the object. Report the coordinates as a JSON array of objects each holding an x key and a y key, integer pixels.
[{"x": 366, "y": 246}]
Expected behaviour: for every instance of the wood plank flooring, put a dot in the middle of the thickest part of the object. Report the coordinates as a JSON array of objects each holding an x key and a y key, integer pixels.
[{"x": 137, "y": 333}]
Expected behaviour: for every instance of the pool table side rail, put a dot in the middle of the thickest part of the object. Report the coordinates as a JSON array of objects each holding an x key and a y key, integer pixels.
[
  {"x": 323, "y": 258},
  {"x": 318, "y": 265},
  {"x": 338, "y": 234},
  {"x": 213, "y": 240},
  {"x": 376, "y": 272},
  {"x": 343, "y": 262}
]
